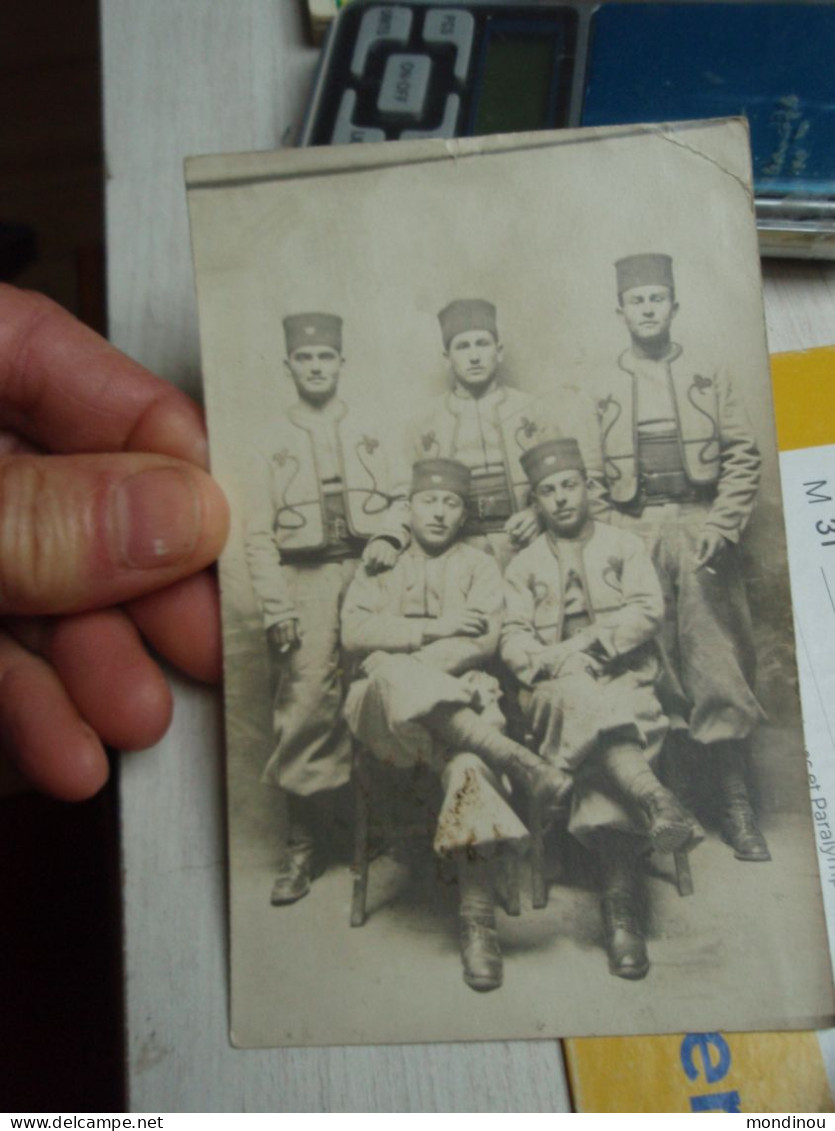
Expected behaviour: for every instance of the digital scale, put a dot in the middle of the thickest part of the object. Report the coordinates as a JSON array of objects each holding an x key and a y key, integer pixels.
[{"x": 421, "y": 69}]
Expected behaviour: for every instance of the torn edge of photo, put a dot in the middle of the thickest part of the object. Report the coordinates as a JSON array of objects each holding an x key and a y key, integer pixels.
[{"x": 513, "y": 730}]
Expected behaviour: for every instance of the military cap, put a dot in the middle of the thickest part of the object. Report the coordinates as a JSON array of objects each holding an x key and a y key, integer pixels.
[
  {"x": 441, "y": 475},
  {"x": 551, "y": 456},
  {"x": 312, "y": 330},
  {"x": 644, "y": 270},
  {"x": 467, "y": 314}
]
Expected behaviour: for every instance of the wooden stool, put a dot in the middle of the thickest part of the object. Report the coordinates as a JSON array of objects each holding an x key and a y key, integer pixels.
[{"x": 539, "y": 886}]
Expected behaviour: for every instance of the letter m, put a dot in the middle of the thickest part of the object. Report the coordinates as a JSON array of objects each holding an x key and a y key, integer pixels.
[{"x": 813, "y": 490}]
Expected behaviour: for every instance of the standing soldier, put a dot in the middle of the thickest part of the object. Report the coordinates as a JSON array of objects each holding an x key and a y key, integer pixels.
[
  {"x": 485, "y": 425},
  {"x": 682, "y": 470},
  {"x": 325, "y": 498},
  {"x": 425, "y": 631}
]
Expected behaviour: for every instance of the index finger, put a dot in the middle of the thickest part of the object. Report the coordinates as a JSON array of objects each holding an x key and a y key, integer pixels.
[{"x": 66, "y": 389}]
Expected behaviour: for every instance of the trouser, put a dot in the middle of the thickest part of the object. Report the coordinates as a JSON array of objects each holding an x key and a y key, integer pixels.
[
  {"x": 573, "y": 718},
  {"x": 312, "y": 749},
  {"x": 706, "y": 635},
  {"x": 390, "y": 714}
]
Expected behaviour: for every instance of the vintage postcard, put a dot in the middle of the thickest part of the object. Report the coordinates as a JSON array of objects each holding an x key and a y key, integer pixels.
[{"x": 514, "y": 743}]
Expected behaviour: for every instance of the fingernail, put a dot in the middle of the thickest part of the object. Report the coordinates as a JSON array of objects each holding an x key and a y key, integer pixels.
[{"x": 156, "y": 516}]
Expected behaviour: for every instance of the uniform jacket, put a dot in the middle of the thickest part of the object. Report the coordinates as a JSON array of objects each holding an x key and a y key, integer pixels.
[
  {"x": 622, "y": 590},
  {"x": 717, "y": 447},
  {"x": 390, "y": 611},
  {"x": 515, "y": 414},
  {"x": 290, "y": 518}
]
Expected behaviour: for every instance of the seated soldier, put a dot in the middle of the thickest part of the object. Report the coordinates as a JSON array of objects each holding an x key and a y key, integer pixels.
[
  {"x": 423, "y": 632},
  {"x": 583, "y": 608}
]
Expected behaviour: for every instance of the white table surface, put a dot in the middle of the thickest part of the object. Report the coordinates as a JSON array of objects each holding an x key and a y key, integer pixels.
[{"x": 209, "y": 76}]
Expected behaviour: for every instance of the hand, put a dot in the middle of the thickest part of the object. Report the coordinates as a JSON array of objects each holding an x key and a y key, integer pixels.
[
  {"x": 710, "y": 548},
  {"x": 285, "y": 636},
  {"x": 466, "y": 623},
  {"x": 551, "y": 789},
  {"x": 580, "y": 663},
  {"x": 379, "y": 555},
  {"x": 371, "y": 662},
  {"x": 106, "y": 520},
  {"x": 561, "y": 783},
  {"x": 553, "y": 659},
  {"x": 485, "y": 692},
  {"x": 522, "y": 527}
]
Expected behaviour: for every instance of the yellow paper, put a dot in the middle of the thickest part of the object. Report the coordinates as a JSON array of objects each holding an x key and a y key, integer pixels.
[
  {"x": 804, "y": 398},
  {"x": 699, "y": 1072}
]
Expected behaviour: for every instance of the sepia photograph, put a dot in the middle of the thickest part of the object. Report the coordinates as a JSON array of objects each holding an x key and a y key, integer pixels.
[{"x": 514, "y": 744}]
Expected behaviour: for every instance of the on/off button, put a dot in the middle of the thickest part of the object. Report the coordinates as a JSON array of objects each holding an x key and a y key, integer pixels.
[{"x": 405, "y": 87}]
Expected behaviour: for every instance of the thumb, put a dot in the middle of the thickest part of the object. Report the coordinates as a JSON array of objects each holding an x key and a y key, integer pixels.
[{"x": 86, "y": 531}]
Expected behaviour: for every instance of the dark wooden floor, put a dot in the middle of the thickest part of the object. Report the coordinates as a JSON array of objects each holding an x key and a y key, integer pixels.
[{"x": 60, "y": 945}]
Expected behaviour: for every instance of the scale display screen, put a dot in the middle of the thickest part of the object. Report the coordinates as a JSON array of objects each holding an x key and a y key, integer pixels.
[{"x": 520, "y": 79}]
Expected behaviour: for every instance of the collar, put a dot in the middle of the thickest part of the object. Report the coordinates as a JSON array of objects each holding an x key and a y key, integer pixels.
[
  {"x": 308, "y": 416},
  {"x": 629, "y": 361},
  {"x": 582, "y": 539},
  {"x": 415, "y": 550},
  {"x": 496, "y": 396}
]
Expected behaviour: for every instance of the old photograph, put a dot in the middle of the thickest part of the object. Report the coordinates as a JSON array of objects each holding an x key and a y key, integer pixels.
[{"x": 514, "y": 744}]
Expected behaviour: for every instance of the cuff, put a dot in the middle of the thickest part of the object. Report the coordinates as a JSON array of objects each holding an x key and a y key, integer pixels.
[
  {"x": 730, "y": 536},
  {"x": 280, "y": 618}
]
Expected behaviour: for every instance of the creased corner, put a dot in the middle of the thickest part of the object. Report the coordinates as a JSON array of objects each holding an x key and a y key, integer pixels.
[{"x": 672, "y": 134}]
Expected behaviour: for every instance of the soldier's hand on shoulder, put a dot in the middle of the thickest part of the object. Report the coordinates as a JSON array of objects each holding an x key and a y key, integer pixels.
[
  {"x": 379, "y": 555},
  {"x": 285, "y": 637},
  {"x": 710, "y": 548},
  {"x": 522, "y": 527}
]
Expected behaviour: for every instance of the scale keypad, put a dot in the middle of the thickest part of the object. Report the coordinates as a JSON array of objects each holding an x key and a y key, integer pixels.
[
  {"x": 407, "y": 75},
  {"x": 405, "y": 87},
  {"x": 383, "y": 25},
  {"x": 406, "y": 70}
]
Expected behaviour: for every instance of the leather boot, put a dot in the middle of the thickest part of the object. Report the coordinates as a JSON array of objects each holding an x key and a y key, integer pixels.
[
  {"x": 617, "y": 856},
  {"x": 295, "y": 875},
  {"x": 298, "y": 865},
  {"x": 739, "y": 827},
  {"x": 481, "y": 955},
  {"x": 463, "y": 729},
  {"x": 624, "y": 938},
  {"x": 737, "y": 821},
  {"x": 669, "y": 825}
]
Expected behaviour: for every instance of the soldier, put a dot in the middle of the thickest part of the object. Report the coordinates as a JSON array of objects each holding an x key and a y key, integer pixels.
[
  {"x": 486, "y": 426},
  {"x": 583, "y": 608},
  {"x": 424, "y": 631},
  {"x": 325, "y": 500},
  {"x": 682, "y": 470}
]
